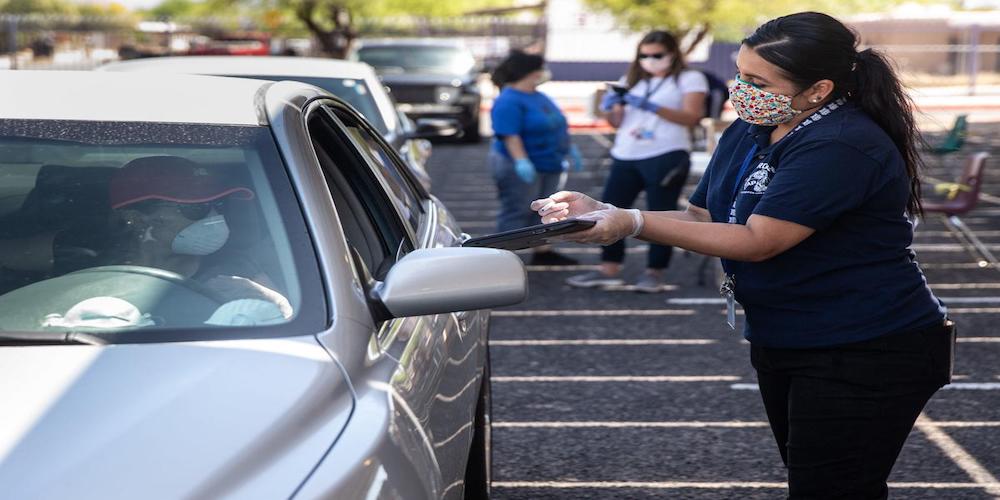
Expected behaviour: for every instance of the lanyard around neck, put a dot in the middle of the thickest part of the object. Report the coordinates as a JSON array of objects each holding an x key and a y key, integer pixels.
[{"x": 743, "y": 172}]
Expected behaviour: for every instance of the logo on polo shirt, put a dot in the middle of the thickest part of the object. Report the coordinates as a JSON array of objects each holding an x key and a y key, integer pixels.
[{"x": 757, "y": 182}]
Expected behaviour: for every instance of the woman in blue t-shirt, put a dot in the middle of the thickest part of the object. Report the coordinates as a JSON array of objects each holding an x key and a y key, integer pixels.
[
  {"x": 531, "y": 146},
  {"x": 808, "y": 199}
]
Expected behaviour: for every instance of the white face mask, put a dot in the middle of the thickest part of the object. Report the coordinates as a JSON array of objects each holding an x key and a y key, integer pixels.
[
  {"x": 654, "y": 66},
  {"x": 203, "y": 237},
  {"x": 546, "y": 76}
]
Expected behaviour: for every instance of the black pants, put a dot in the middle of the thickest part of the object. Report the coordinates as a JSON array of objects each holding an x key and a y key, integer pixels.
[
  {"x": 840, "y": 414},
  {"x": 662, "y": 177}
]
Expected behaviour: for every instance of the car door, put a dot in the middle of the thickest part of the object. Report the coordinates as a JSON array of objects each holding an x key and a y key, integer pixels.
[{"x": 440, "y": 357}]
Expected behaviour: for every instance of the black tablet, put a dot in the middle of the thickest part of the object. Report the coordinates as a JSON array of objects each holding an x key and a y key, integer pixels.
[{"x": 531, "y": 236}]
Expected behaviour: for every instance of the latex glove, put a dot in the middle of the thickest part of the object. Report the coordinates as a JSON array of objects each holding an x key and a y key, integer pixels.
[
  {"x": 610, "y": 99},
  {"x": 564, "y": 204},
  {"x": 576, "y": 159},
  {"x": 525, "y": 170},
  {"x": 612, "y": 225},
  {"x": 643, "y": 104}
]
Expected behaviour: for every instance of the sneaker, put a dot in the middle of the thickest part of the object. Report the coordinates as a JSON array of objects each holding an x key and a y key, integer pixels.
[
  {"x": 552, "y": 259},
  {"x": 594, "y": 279},
  {"x": 649, "y": 283}
]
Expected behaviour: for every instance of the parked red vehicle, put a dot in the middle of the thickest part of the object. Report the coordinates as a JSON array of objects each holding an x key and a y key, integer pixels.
[{"x": 236, "y": 45}]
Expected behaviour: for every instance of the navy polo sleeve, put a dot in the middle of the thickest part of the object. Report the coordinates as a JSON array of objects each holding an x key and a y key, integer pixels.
[
  {"x": 699, "y": 197},
  {"x": 818, "y": 181},
  {"x": 507, "y": 116}
]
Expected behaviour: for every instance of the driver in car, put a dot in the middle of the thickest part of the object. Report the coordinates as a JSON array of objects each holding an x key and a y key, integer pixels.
[{"x": 172, "y": 210}]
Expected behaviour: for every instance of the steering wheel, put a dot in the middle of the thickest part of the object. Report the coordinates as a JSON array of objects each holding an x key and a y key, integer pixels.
[{"x": 163, "y": 274}]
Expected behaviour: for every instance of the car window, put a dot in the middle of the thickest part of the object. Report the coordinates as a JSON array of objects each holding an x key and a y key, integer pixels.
[
  {"x": 355, "y": 92},
  {"x": 132, "y": 228},
  {"x": 371, "y": 224},
  {"x": 402, "y": 192},
  {"x": 417, "y": 58}
]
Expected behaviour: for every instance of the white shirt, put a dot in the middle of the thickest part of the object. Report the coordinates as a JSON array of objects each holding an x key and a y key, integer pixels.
[{"x": 643, "y": 134}]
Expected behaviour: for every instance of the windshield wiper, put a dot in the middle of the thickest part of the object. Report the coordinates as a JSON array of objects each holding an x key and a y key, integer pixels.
[{"x": 50, "y": 338}]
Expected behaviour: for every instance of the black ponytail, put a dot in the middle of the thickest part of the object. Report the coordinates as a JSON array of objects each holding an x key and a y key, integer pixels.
[
  {"x": 810, "y": 46},
  {"x": 516, "y": 66},
  {"x": 880, "y": 93}
]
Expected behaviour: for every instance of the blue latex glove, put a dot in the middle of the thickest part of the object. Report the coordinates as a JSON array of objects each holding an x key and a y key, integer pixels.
[
  {"x": 643, "y": 104},
  {"x": 525, "y": 170},
  {"x": 609, "y": 100},
  {"x": 576, "y": 159}
]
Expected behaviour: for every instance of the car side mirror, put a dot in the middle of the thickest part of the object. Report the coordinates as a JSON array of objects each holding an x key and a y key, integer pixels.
[
  {"x": 452, "y": 279},
  {"x": 435, "y": 128}
]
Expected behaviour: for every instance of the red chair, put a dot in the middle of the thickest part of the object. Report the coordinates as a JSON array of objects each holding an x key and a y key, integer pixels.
[{"x": 960, "y": 198}]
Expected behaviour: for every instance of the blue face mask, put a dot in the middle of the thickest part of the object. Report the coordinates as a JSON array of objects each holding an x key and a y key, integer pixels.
[{"x": 202, "y": 237}]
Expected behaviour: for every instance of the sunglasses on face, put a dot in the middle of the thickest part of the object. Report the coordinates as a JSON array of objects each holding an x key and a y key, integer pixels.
[
  {"x": 190, "y": 211},
  {"x": 658, "y": 55}
]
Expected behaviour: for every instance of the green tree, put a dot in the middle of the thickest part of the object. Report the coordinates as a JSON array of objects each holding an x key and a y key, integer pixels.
[
  {"x": 727, "y": 20},
  {"x": 36, "y": 7},
  {"x": 333, "y": 22}
]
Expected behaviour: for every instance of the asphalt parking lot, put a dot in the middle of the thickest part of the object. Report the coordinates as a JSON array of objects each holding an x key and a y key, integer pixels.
[{"x": 614, "y": 394}]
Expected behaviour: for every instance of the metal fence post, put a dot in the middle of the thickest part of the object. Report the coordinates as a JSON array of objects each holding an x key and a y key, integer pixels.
[
  {"x": 974, "y": 57},
  {"x": 12, "y": 40}
]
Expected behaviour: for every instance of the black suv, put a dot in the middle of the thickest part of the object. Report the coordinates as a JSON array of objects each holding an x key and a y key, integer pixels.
[{"x": 429, "y": 78}]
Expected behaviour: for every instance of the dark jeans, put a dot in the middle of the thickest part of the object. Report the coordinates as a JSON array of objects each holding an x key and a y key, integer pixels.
[
  {"x": 840, "y": 414},
  {"x": 516, "y": 195},
  {"x": 662, "y": 177}
]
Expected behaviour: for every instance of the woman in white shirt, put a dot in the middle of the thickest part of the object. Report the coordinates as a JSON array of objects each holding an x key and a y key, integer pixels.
[{"x": 652, "y": 147}]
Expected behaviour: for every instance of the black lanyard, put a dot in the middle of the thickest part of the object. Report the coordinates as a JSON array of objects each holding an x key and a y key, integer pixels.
[
  {"x": 739, "y": 180},
  {"x": 650, "y": 90}
]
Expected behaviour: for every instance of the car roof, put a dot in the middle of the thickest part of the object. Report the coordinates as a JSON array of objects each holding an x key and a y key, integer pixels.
[
  {"x": 247, "y": 65},
  {"x": 129, "y": 97},
  {"x": 409, "y": 42}
]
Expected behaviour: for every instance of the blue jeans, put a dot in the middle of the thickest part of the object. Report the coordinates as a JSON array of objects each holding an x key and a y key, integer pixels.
[
  {"x": 516, "y": 195},
  {"x": 662, "y": 177}
]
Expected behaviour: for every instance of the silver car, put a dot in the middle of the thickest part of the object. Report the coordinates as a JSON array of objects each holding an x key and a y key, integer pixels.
[
  {"x": 353, "y": 82},
  {"x": 231, "y": 288}
]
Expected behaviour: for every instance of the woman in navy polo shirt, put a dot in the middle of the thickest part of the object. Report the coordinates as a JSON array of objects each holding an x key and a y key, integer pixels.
[
  {"x": 808, "y": 200},
  {"x": 531, "y": 147}
]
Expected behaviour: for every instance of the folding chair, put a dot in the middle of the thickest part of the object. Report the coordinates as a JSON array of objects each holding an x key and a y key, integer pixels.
[
  {"x": 955, "y": 139},
  {"x": 959, "y": 199}
]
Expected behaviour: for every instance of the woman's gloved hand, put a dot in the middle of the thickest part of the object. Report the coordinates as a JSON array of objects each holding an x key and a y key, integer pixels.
[
  {"x": 525, "y": 170},
  {"x": 613, "y": 224},
  {"x": 643, "y": 104},
  {"x": 576, "y": 159},
  {"x": 610, "y": 99},
  {"x": 564, "y": 204}
]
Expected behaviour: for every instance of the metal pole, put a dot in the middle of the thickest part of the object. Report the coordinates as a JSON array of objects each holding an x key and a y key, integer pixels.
[
  {"x": 12, "y": 40},
  {"x": 974, "y": 57}
]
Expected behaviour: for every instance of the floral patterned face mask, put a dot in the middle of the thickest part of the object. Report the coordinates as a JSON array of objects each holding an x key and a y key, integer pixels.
[{"x": 760, "y": 107}]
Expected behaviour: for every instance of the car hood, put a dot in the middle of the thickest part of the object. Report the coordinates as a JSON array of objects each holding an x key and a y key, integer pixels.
[
  {"x": 246, "y": 419},
  {"x": 423, "y": 79}
]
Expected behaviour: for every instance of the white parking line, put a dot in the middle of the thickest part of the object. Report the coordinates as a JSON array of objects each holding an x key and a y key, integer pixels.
[
  {"x": 707, "y": 301},
  {"x": 627, "y": 425},
  {"x": 733, "y": 424},
  {"x": 957, "y": 454},
  {"x": 979, "y": 340},
  {"x": 721, "y": 485},
  {"x": 954, "y": 265},
  {"x": 954, "y": 386},
  {"x": 602, "y": 342},
  {"x": 597, "y": 312},
  {"x": 622, "y": 378},
  {"x": 974, "y": 310}
]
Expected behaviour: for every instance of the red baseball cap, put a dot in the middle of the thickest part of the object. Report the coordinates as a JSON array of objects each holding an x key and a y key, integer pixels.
[{"x": 170, "y": 178}]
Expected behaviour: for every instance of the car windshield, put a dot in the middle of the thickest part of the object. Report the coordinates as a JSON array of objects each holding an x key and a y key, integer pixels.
[
  {"x": 355, "y": 92},
  {"x": 419, "y": 59},
  {"x": 145, "y": 232}
]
